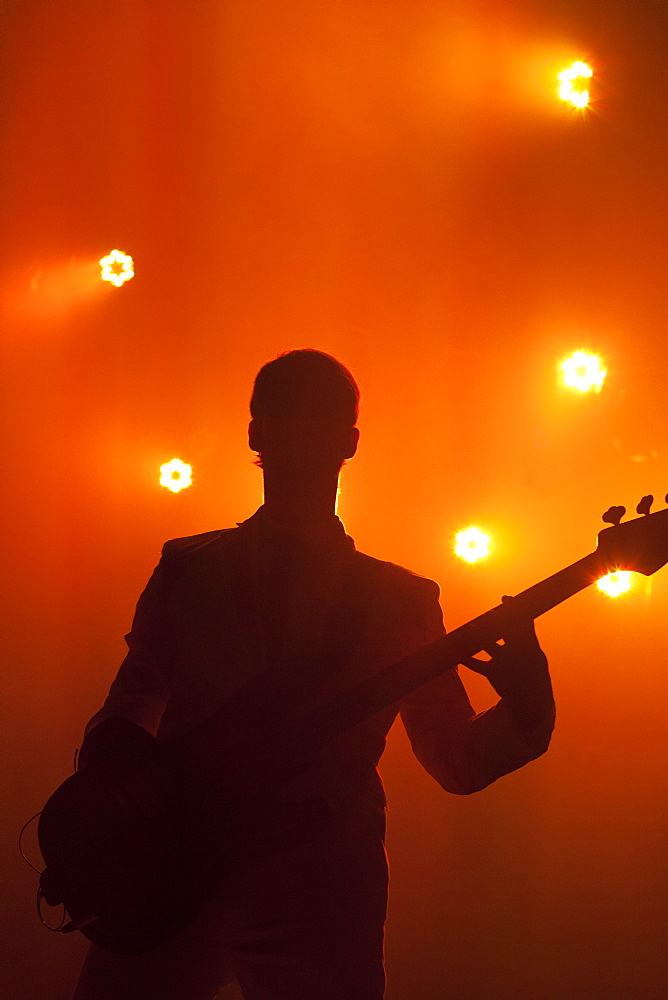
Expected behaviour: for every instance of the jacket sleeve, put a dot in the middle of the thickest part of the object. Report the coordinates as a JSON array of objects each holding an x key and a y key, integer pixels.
[
  {"x": 141, "y": 688},
  {"x": 462, "y": 750}
]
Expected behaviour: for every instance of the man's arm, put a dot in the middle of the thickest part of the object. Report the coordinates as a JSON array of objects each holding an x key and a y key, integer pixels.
[
  {"x": 131, "y": 713},
  {"x": 465, "y": 751}
]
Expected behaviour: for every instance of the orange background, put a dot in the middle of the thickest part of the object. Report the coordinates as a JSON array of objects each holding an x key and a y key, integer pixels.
[{"x": 395, "y": 183}]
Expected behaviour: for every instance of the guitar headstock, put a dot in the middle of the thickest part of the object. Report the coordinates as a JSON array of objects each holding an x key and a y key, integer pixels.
[{"x": 640, "y": 545}]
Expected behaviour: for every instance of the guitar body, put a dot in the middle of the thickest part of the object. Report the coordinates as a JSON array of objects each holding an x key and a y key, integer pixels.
[
  {"x": 128, "y": 881},
  {"x": 131, "y": 876}
]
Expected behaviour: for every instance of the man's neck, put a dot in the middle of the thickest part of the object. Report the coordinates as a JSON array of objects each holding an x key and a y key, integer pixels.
[{"x": 293, "y": 502}]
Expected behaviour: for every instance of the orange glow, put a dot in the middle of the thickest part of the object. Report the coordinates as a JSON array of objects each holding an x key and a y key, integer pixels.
[
  {"x": 583, "y": 372},
  {"x": 615, "y": 584},
  {"x": 117, "y": 267},
  {"x": 400, "y": 185},
  {"x": 578, "y": 98},
  {"x": 175, "y": 475},
  {"x": 472, "y": 544}
]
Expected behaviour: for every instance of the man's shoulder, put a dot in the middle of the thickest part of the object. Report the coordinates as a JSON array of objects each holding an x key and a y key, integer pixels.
[
  {"x": 394, "y": 576},
  {"x": 190, "y": 545}
]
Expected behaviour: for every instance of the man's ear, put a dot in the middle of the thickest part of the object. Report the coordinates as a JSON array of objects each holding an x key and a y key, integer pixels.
[
  {"x": 353, "y": 441},
  {"x": 254, "y": 436}
]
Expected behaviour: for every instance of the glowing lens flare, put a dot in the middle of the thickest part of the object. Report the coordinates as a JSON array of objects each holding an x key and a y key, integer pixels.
[
  {"x": 615, "y": 584},
  {"x": 583, "y": 372},
  {"x": 117, "y": 267},
  {"x": 472, "y": 544},
  {"x": 578, "y": 98},
  {"x": 175, "y": 475}
]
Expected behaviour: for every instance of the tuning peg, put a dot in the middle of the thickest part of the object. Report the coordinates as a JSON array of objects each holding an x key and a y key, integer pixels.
[
  {"x": 645, "y": 504},
  {"x": 613, "y": 515}
]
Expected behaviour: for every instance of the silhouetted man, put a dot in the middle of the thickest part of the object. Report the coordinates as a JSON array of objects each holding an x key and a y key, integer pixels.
[{"x": 304, "y": 921}]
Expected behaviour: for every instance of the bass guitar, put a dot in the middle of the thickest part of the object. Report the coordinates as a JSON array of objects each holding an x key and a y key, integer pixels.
[{"x": 129, "y": 879}]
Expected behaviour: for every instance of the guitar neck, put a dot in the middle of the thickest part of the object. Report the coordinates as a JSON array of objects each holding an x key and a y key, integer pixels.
[
  {"x": 285, "y": 751},
  {"x": 389, "y": 686},
  {"x": 536, "y": 600}
]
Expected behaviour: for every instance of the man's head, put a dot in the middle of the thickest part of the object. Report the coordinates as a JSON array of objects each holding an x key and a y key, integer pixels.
[{"x": 304, "y": 409}]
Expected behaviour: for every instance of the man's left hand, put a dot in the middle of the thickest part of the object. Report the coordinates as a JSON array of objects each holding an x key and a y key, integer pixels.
[{"x": 517, "y": 668}]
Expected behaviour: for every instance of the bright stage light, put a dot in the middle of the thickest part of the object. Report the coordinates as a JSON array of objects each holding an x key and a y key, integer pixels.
[
  {"x": 117, "y": 267},
  {"x": 578, "y": 71},
  {"x": 472, "y": 544},
  {"x": 583, "y": 372},
  {"x": 615, "y": 584},
  {"x": 175, "y": 475}
]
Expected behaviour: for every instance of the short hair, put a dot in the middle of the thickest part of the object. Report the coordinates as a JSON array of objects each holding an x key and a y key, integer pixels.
[{"x": 306, "y": 383}]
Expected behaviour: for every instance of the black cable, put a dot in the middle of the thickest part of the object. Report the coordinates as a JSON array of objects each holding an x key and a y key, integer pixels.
[
  {"x": 58, "y": 929},
  {"x": 21, "y": 852}
]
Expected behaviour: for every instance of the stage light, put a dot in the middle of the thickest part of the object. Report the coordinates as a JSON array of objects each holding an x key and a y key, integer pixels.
[
  {"x": 117, "y": 267},
  {"x": 583, "y": 372},
  {"x": 578, "y": 98},
  {"x": 175, "y": 475},
  {"x": 615, "y": 584},
  {"x": 472, "y": 544}
]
